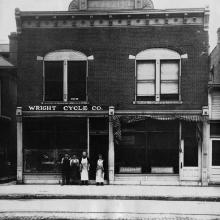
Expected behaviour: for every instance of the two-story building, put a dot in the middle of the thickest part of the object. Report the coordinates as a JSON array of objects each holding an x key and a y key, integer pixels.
[
  {"x": 214, "y": 116},
  {"x": 8, "y": 103},
  {"x": 118, "y": 78}
]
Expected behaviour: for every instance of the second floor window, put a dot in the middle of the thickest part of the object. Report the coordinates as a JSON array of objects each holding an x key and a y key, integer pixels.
[
  {"x": 65, "y": 74},
  {"x": 157, "y": 77}
]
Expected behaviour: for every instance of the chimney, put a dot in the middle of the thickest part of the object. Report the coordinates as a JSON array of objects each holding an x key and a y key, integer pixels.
[
  {"x": 218, "y": 33},
  {"x": 13, "y": 48}
]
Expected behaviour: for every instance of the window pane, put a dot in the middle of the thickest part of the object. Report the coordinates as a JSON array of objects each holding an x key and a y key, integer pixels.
[
  {"x": 169, "y": 71},
  {"x": 190, "y": 144},
  {"x": 53, "y": 80},
  {"x": 77, "y": 80},
  {"x": 169, "y": 87},
  {"x": 145, "y": 88},
  {"x": 190, "y": 152},
  {"x": 145, "y": 71},
  {"x": 215, "y": 129},
  {"x": 216, "y": 153}
]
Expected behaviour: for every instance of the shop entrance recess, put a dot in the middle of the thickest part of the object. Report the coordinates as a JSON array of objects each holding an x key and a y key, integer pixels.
[
  {"x": 189, "y": 152},
  {"x": 98, "y": 144}
]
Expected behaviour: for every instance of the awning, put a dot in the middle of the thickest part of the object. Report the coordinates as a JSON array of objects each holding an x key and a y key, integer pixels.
[
  {"x": 192, "y": 118},
  {"x": 163, "y": 117}
]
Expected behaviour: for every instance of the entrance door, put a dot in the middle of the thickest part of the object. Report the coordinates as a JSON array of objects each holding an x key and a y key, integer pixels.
[
  {"x": 98, "y": 145},
  {"x": 190, "y": 152},
  {"x": 215, "y": 160}
]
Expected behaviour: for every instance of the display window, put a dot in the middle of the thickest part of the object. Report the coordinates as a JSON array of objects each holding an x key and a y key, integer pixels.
[
  {"x": 149, "y": 146},
  {"x": 46, "y": 140}
]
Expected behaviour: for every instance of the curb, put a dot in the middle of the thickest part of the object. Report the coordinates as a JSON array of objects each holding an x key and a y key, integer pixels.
[{"x": 110, "y": 197}]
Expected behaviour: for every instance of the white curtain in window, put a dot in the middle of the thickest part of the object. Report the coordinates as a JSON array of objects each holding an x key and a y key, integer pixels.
[
  {"x": 169, "y": 71},
  {"x": 169, "y": 77},
  {"x": 145, "y": 89},
  {"x": 169, "y": 88},
  {"x": 146, "y": 71}
]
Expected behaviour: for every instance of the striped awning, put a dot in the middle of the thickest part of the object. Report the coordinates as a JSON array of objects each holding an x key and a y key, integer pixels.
[{"x": 190, "y": 118}]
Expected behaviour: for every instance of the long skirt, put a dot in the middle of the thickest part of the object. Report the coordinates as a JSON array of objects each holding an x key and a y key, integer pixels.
[{"x": 99, "y": 176}]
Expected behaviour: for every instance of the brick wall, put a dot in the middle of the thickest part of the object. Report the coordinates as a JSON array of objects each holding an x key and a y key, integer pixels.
[{"x": 111, "y": 74}]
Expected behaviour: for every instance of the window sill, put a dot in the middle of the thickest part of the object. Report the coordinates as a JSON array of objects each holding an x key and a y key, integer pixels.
[
  {"x": 157, "y": 102},
  {"x": 65, "y": 103}
]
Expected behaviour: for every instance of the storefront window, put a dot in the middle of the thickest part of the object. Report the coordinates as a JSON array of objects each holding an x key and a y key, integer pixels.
[
  {"x": 148, "y": 146},
  {"x": 47, "y": 140}
]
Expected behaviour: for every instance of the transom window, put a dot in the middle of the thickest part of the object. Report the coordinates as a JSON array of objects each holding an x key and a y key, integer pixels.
[
  {"x": 157, "y": 75},
  {"x": 65, "y": 75}
]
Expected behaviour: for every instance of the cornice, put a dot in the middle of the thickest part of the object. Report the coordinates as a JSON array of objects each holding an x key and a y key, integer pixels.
[
  {"x": 115, "y": 18},
  {"x": 113, "y": 12}
]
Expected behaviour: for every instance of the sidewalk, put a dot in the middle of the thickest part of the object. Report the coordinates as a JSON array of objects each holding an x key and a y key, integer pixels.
[{"x": 172, "y": 193}]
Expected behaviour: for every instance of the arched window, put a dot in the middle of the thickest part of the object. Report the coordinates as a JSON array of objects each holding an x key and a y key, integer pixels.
[
  {"x": 65, "y": 73},
  {"x": 157, "y": 75}
]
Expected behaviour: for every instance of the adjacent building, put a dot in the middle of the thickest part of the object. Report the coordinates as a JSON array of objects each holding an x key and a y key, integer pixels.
[
  {"x": 119, "y": 78},
  {"x": 214, "y": 109},
  {"x": 7, "y": 114}
]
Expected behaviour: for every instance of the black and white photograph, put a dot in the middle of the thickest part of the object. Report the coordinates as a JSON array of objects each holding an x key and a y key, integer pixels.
[{"x": 109, "y": 110}]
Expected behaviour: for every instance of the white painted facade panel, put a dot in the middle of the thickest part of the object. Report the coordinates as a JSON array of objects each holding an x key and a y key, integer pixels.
[{"x": 215, "y": 106}]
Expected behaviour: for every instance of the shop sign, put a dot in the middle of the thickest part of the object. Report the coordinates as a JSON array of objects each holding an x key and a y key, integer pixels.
[{"x": 64, "y": 108}]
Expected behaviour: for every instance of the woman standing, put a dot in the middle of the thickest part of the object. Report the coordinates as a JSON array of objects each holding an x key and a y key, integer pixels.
[
  {"x": 100, "y": 171},
  {"x": 84, "y": 169},
  {"x": 74, "y": 165}
]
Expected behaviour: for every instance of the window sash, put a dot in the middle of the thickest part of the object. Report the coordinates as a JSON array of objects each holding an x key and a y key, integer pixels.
[
  {"x": 53, "y": 81},
  {"x": 62, "y": 86},
  {"x": 146, "y": 70},
  {"x": 146, "y": 88},
  {"x": 169, "y": 87},
  {"x": 146, "y": 76},
  {"x": 76, "y": 80},
  {"x": 169, "y": 77},
  {"x": 169, "y": 70}
]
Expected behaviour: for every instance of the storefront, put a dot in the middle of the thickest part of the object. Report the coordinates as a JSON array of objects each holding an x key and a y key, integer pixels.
[
  {"x": 163, "y": 150},
  {"x": 46, "y": 135},
  {"x": 136, "y": 149}
]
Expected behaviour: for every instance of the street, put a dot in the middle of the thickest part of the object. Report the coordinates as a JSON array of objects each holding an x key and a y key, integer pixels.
[{"x": 108, "y": 209}]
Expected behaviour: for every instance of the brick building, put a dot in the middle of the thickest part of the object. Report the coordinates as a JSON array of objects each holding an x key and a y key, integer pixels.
[
  {"x": 214, "y": 116},
  {"x": 7, "y": 114},
  {"x": 118, "y": 78}
]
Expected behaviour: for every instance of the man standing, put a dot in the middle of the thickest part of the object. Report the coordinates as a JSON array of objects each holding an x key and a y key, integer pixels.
[{"x": 65, "y": 163}]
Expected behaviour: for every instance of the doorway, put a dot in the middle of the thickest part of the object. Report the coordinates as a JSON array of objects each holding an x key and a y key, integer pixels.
[
  {"x": 190, "y": 152},
  {"x": 163, "y": 153},
  {"x": 98, "y": 145}
]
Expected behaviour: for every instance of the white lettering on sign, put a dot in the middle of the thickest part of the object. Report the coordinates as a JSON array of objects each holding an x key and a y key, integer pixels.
[
  {"x": 96, "y": 108},
  {"x": 42, "y": 108},
  {"x": 64, "y": 108},
  {"x": 75, "y": 108}
]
